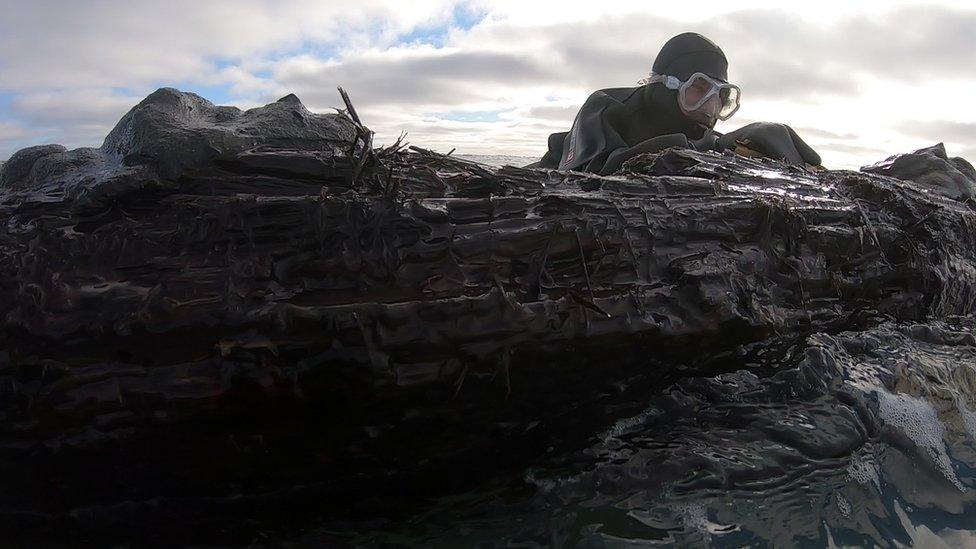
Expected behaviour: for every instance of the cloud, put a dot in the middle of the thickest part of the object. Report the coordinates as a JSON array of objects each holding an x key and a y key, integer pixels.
[
  {"x": 940, "y": 130},
  {"x": 771, "y": 77},
  {"x": 846, "y": 76},
  {"x": 113, "y": 44},
  {"x": 9, "y": 132},
  {"x": 74, "y": 118},
  {"x": 414, "y": 77},
  {"x": 960, "y": 137},
  {"x": 851, "y": 149},
  {"x": 912, "y": 42},
  {"x": 824, "y": 134},
  {"x": 561, "y": 113},
  {"x": 908, "y": 42},
  {"x": 244, "y": 83},
  {"x": 87, "y": 106},
  {"x": 14, "y": 137}
]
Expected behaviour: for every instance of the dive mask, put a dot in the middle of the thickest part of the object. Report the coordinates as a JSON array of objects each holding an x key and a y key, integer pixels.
[{"x": 697, "y": 90}]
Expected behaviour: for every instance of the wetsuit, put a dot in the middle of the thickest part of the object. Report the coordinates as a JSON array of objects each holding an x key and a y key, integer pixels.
[{"x": 617, "y": 123}]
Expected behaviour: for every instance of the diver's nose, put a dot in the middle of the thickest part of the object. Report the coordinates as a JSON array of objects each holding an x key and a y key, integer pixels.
[{"x": 712, "y": 106}]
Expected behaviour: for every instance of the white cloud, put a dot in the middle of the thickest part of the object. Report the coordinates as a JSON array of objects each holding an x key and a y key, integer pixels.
[
  {"x": 848, "y": 75},
  {"x": 74, "y": 106},
  {"x": 113, "y": 43},
  {"x": 10, "y": 132}
]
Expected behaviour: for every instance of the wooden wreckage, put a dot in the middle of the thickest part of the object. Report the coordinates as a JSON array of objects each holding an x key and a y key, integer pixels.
[{"x": 220, "y": 315}]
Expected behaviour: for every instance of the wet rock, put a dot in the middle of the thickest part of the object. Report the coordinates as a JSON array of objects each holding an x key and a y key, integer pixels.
[
  {"x": 931, "y": 168},
  {"x": 176, "y": 131},
  {"x": 169, "y": 134},
  {"x": 15, "y": 172},
  {"x": 252, "y": 311}
]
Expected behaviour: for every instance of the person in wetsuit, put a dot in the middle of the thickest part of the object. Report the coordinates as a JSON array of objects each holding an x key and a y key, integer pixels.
[{"x": 677, "y": 105}]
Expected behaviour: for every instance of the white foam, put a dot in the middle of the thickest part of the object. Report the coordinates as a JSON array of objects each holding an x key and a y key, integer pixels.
[
  {"x": 844, "y": 506},
  {"x": 863, "y": 469},
  {"x": 628, "y": 424},
  {"x": 919, "y": 420},
  {"x": 693, "y": 516}
]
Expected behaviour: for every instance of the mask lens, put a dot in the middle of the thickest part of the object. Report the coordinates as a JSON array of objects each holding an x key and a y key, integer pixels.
[
  {"x": 696, "y": 92},
  {"x": 730, "y": 101},
  {"x": 712, "y": 97}
]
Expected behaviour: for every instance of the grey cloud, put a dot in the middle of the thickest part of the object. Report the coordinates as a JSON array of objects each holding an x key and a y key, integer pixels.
[
  {"x": 573, "y": 53},
  {"x": 65, "y": 43},
  {"x": 564, "y": 114},
  {"x": 756, "y": 42},
  {"x": 75, "y": 107},
  {"x": 959, "y": 133},
  {"x": 824, "y": 134},
  {"x": 10, "y": 131},
  {"x": 850, "y": 149},
  {"x": 786, "y": 78},
  {"x": 73, "y": 118},
  {"x": 547, "y": 128},
  {"x": 69, "y": 136},
  {"x": 906, "y": 42},
  {"x": 772, "y": 54},
  {"x": 616, "y": 51},
  {"x": 447, "y": 80},
  {"x": 611, "y": 51},
  {"x": 912, "y": 42},
  {"x": 940, "y": 130},
  {"x": 775, "y": 54},
  {"x": 14, "y": 137}
]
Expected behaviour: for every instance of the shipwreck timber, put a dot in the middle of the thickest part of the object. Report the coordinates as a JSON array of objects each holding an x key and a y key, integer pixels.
[{"x": 216, "y": 303}]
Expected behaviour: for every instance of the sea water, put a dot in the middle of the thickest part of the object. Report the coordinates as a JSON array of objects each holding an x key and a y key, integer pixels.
[{"x": 499, "y": 160}]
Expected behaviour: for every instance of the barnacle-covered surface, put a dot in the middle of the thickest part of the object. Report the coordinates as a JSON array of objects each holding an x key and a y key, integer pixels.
[{"x": 221, "y": 319}]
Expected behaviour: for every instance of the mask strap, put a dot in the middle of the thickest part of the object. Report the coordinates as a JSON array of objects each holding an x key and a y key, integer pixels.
[{"x": 670, "y": 82}]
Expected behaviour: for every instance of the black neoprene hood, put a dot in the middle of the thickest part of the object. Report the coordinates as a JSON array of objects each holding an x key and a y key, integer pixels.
[{"x": 689, "y": 53}]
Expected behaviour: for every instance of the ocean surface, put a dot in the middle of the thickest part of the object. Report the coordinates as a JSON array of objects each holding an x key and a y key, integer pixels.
[{"x": 498, "y": 160}]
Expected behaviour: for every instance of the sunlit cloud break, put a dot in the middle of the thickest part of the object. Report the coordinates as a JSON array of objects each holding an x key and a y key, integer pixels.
[{"x": 858, "y": 81}]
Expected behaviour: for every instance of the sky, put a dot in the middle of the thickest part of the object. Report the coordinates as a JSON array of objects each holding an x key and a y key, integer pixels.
[{"x": 859, "y": 81}]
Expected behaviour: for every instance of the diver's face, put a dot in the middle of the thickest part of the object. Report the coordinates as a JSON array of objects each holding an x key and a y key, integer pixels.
[
  {"x": 706, "y": 114},
  {"x": 696, "y": 90}
]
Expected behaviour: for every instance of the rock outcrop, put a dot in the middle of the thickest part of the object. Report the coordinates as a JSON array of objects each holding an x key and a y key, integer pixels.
[
  {"x": 223, "y": 317},
  {"x": 931, "y": 168}
]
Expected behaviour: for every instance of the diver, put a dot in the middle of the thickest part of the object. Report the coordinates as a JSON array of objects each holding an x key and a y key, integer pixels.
[{"x": 676, "y": 105}]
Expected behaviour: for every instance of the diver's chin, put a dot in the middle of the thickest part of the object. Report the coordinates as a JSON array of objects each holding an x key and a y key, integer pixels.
[
  {"x": 704, "y": 126},
  {"x": 701, "y": 129}
]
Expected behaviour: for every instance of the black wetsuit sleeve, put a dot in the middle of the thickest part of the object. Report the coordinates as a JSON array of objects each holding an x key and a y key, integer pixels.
[{"x": 555, "y": 151}]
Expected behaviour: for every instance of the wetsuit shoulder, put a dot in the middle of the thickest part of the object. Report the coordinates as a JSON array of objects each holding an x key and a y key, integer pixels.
[
  {"x": 591, "y": 136},
  {"x": 618, "y": 95}
]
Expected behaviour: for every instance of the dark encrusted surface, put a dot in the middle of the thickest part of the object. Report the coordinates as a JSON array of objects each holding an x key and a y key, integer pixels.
[
  {"x": 931, "y": 168},
  {"x": 208, "y": 320}
]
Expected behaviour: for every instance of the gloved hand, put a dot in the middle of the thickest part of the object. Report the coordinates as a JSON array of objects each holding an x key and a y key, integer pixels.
[
  {"x": 777, "y": 141},
  {"x": 654, "y": 144},
  {"x": 707, "y": 143}
]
